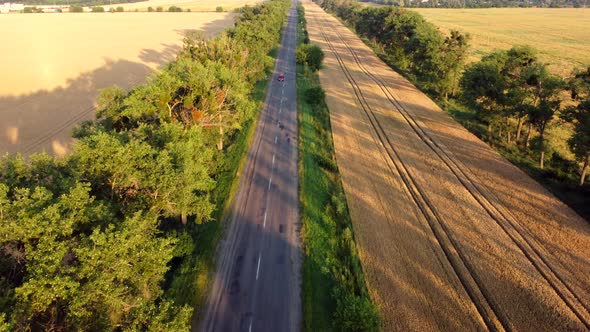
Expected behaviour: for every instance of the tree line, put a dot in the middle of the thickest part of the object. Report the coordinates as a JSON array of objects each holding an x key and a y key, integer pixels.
[
  {"x": 511, "y": 92},
  {"x": 88, "y": 3},
  {"x": 87, "y": 241},
  {"x": 483, "y": 3}
]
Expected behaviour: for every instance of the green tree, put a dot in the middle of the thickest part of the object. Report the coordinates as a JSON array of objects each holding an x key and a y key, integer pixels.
[
  {"x": 76, "y": 9},
  {"x": 311, "y": 55},
  {"x": 483, "y": 88},
  {"x": 579, "y": 115},
  {"x": 547, "y": 89}
]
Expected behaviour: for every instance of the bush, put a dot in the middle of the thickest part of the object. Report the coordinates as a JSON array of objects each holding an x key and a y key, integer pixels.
[
  {"x": 159, "y": 9},
  {"x": 98, "y": 9},
  {"x": 150, "y": 9},
  {"x": 356, "y": 314},
  {"x": 312, "y": 55},
  {"x": 120, "y": 9},
  {"x": 301, "y": 55},
  {"x": 174, "y": 9},
  {"x": 219, "y": 9},
  {"x": 76, "y": 9},
  {"x": 315, "y": 56},
  {"x": 315, "y": 95}
]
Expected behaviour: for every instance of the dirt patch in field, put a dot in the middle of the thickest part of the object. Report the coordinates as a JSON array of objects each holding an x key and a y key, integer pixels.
[
  {"x": 451, "y": 235},
  {"x": 57, "y": 63}
]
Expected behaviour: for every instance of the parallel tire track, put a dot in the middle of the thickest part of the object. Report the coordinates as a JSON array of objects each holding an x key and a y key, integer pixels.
[
  {"x": 498, "y": 213},
  {"x": 493, "y": 318}
]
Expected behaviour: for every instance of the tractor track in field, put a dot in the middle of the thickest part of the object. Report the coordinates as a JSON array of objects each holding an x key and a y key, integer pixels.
[
  {"x": 490, "y": 312},
  {"x": 503, "y": 217}
]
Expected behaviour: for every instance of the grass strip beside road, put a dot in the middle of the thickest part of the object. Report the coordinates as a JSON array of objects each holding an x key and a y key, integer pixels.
[
  {"x": 334, "y": 293},
  {"x": 314, "y": 194}
]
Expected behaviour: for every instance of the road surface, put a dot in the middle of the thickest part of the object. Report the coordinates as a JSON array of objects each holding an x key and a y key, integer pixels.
[
  {"x": 257, "y": 283},
  {"x": 452, "y": 237}
]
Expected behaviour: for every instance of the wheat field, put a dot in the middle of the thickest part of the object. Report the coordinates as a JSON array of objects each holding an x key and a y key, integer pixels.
[{"x": 562, "y": 35}]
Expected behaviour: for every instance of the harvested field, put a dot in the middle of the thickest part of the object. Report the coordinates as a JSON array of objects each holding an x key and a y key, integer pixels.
[
  {"x": 452, "y": 236},
  {"x": 560, "y": 34},
  {"x": 57, "y": 63}
]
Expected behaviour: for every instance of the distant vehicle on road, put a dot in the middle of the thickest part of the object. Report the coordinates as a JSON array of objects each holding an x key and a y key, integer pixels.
[{"x": 281, "y": 77}]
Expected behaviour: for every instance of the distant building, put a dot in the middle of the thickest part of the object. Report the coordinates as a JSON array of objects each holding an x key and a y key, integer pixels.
[{"x": 11, "y": 7}]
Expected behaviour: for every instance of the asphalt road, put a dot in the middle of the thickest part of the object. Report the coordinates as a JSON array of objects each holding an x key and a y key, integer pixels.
[{"x": 257, "y": 283}]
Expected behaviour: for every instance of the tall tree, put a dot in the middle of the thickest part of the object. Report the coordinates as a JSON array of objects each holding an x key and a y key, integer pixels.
[
  {"x": 547, "y": 89},
  {"x": 580, "y": 117},
  {"x": 484, "y": 88}
]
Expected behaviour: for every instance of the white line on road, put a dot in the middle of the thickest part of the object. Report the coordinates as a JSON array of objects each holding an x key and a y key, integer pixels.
[
  {"x": 264, "y": 223},
  {"x": 273, "y": 159},
  {"x": 250, "y": 329},
  {"x": 258, "y": 268},
  {"x": 275, "y": 139},
  {"x": 269, "y": 183}
]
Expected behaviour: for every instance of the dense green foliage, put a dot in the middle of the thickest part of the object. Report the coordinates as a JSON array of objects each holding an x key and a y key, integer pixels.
[
  {"x": 334, "y": 292},
  {"x": 580, "y": 117},
  {"x": 509, "y": 87},
  {"x": 101, "y": 240},
  {"x": 509, "y": 99}
]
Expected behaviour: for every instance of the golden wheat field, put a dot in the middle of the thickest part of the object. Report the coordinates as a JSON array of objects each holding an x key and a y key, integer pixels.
[
  {"x": 54, "y": 64},
  {"x": 562, "y": 35}
]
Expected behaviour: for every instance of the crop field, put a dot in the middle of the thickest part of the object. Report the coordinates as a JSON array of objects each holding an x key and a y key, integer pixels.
[
  {"x": 451, "y": 236},
  {"x": 560, "y": 34},
  {"x": 57, "y": 63},
  {"x": 193, "y": 5}
]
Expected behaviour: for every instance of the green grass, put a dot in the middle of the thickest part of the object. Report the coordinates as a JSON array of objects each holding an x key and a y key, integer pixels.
[{"x": 314, "y": 191}]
